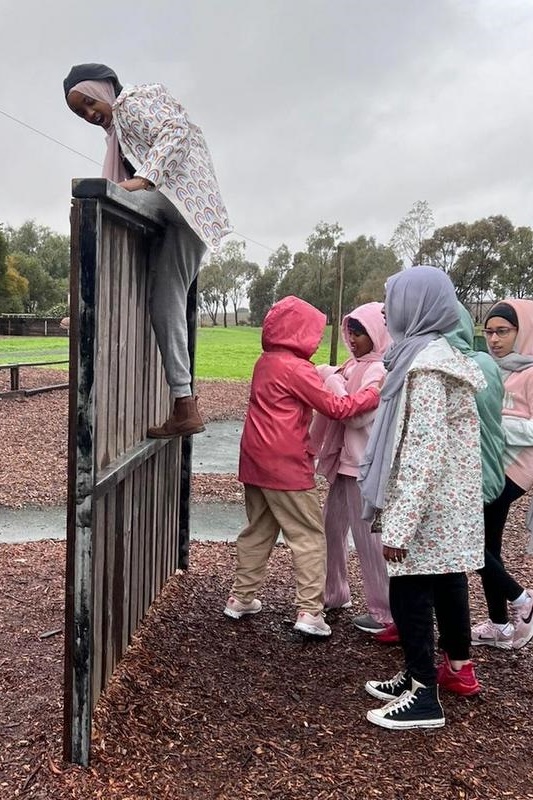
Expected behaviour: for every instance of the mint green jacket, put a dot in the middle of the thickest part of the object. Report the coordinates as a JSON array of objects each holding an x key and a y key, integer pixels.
[{"x": 489, "y": 405}]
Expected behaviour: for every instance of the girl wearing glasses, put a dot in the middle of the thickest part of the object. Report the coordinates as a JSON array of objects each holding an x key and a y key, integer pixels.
[{"x": 509, "y": 334}]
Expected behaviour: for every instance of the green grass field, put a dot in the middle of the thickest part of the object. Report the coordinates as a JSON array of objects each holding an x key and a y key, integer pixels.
[{"x": 228, "y": 353}]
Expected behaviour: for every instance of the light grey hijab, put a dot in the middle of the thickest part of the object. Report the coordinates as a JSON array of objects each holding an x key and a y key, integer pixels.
[{"x": 419, "y": 306}]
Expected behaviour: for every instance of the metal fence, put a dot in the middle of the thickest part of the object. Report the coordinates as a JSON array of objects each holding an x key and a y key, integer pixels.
[{"x": 128, "y": 497}]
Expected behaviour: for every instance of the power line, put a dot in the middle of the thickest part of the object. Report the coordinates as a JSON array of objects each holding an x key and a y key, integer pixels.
[
  {"x": 88, "y": 158},
  {"x": 254, "y": 241},
  {"x": 51, "y": 138}
]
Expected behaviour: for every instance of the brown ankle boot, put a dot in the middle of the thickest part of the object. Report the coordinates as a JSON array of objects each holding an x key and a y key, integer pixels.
[{"x": 184, "y": 421}]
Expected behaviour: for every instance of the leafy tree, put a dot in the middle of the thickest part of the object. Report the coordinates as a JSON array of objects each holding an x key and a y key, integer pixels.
[
  {"x": 311, "y": 275},
  {"x": 13, "y": 287},
  {"x": 262, "y": 294},
  {"x": 209, "y": 289},
  {"x": 43, "y": 291},
  {"x": 280, "y": 260},
  {"x": 412, "y": 230},
  {"x": 16, "y": 290},
  {"x": 514, "y": 275},
  {"x": 444, "y": 247},
  {"x": 367, "y": 266},
  {"x": 470, "y": 254}
]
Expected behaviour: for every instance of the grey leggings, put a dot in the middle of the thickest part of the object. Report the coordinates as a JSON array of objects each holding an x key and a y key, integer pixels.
[{"x": 174, "y": 264}]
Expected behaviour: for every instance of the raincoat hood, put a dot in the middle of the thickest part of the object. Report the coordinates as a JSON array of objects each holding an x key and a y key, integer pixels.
[
  {"x": 370, "y": 315},
  {"x": 292, "y": 324}
]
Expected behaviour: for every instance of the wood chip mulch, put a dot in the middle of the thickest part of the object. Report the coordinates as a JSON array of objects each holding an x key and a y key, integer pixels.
[
  {"x": 202, "y": 707},
  {"x": 33, "y": 437}
]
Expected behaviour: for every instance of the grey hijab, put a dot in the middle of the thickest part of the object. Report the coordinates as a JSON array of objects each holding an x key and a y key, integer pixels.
[{"x": 419, "y": 306}]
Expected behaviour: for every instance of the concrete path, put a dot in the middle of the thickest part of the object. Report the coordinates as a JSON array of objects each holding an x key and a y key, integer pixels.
[
  {"x": 214, "y": 451},
  {"x": 209, "y": 522}
]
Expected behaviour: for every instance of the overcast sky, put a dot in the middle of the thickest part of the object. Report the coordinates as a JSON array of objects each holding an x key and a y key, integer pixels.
[{"x": 339, "y": 110}]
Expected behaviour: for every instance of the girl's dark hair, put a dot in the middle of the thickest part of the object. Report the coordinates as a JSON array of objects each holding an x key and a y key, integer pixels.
[{"x": 354, "y": 326}]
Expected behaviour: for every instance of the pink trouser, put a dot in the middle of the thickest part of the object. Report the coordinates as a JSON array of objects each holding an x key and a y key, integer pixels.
[
  {"x": 342, "y": 513},
  {"x": 298, "y": 516}
]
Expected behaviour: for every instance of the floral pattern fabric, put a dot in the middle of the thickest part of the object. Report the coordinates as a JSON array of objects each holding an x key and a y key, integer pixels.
[
  {"x": 434, "y": 505},
  {"x": 156, "y": 134}
]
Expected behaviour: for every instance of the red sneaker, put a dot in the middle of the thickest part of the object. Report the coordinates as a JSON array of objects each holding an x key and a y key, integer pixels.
[
  {"x": 462, "y": 681},
  {"x": 388, "y": 636}
]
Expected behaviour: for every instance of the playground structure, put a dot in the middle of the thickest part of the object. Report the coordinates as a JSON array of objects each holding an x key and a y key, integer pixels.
[{"x": 128, "y": 497}]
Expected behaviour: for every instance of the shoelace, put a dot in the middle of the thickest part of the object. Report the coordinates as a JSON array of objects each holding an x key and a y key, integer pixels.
[
  {"x": 403, "y": 702},
  {"x": 393, "y": 682}
]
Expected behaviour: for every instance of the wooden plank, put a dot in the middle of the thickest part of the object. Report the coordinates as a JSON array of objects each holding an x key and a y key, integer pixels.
[
  {"x": 127, "y": 562},
  {"x": 81, "y": 479},
  {"x": 120, "y": 535},
  {"x": 103, "y": 313},
  {"x": 109, "y": 572},
  {"x": 133, "y": 245},
  {"x": 135, "y": 551},
  {"x": 99, "y": 543},
  {"x": 141, "y": 389},
  {"x": 142, "y": 494},
  {"x": 68, "y": 711},
  {"x": 124, "y": 385},
  {"x": 112, "y": 377}
]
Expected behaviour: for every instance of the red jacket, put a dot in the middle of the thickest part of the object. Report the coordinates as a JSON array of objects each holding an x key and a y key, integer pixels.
[{"x": 276, "y": 451}]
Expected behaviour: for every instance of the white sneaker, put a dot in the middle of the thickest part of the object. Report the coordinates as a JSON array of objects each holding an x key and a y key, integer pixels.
[
  {"x": 522, "y": 619},
  {"x": 235, "y": 609},
  {"x": 312, "y": 623},
  {"x": 489, "y": 634}
]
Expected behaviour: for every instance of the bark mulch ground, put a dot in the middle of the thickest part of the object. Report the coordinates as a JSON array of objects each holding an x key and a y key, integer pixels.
[
  {"x": 204, "y": 707},
  {"x": 33, "y": 437}
]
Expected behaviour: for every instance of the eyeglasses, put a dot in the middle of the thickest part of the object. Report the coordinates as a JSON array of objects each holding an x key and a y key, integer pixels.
[{"x": 501, "y": 333}]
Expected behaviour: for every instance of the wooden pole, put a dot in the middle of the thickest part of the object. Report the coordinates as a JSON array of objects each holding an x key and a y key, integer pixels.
[{"x": 337, "y": 305}]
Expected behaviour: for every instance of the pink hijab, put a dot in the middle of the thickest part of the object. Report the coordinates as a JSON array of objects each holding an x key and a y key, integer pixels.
[
  {"x": 327, "y": 435},
  {"x": 113, "y": 168}
]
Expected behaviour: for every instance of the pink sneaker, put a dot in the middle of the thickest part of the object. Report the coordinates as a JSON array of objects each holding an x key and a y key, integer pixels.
[
  {"x": 312, "y": 623},
  {"x": 522, "y": 618},
  {"x": 487, "y": 633},
  {"x": 235, "y": 609}
]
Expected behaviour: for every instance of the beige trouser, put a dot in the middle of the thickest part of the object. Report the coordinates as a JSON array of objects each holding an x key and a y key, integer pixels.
[{"x": 298, "y": 516}]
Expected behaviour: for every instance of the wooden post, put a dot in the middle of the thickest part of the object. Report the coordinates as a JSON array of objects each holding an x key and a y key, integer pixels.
[
  {"x": 15, "y": 383},
  {"x": 337, "y": 305}
]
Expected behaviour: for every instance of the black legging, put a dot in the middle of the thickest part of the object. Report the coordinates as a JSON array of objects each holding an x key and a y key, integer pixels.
[
  {"x": 412, "y": 600},
  {"x": 498, "y": 585}
]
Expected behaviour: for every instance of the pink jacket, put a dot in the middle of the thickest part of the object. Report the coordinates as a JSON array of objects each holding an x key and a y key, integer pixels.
[
  {"x": 517, "y": 411},
  {"x": 276, "y": 451},
  {"x": 341, "y": 445}
]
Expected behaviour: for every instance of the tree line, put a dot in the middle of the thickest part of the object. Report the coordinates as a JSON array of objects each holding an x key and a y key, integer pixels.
[
  {"x": 34, "y": 270},
  {"x": 486, "y": 259}
]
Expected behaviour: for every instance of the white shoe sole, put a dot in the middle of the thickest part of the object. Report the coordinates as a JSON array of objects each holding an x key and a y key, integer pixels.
[
  {"x": 348, "y": 604},
  {"x": 391, "y": 724},
  {"x": 492, "y": 643},
  {"x": 519, "y": 643},
  {"x": 368, "y": 629},
  {"x": 229, "y": 612},
  {"x": 310, "y": 629}
]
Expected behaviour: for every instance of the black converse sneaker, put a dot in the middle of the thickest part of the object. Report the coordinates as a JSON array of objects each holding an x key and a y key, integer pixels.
[
  {"x": 418, "y": 707},
  {"x": 389, "y": 690}
]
